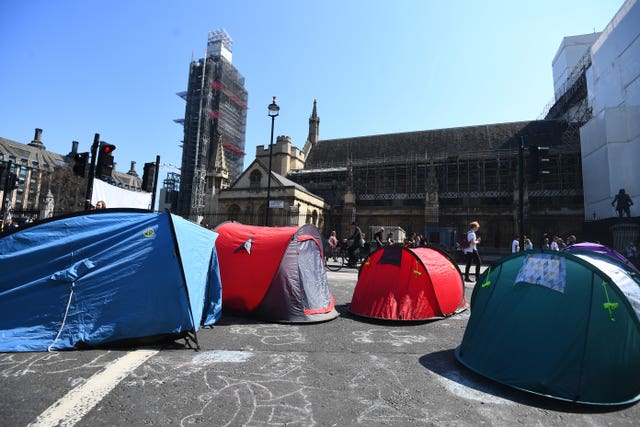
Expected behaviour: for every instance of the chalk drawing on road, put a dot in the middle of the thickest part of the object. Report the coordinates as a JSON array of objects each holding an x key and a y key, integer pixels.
[
  {"x": 384, "y": 336},
  {"x": 383, "y": 396},
  {"x": 221, "y": 356},
  {"x": 20, "y": 364},
  {"x": 273, "y": 395},
  {"x": 272, "y": 334}
]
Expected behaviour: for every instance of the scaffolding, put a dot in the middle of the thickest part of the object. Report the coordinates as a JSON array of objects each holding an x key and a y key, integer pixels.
[{"x": 216, "y": 108}]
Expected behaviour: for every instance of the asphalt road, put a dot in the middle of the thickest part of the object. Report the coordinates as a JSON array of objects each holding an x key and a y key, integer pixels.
[{"x": 348, "y": 371}]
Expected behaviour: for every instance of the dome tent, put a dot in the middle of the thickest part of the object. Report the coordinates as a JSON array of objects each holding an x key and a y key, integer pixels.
[
  {"x": 401, "y": 283},
  {"x": 93, "y": 279},
  {"x": 559, "y": 324},
  {"x": 597, "y": 247},
  {"x": 274, "y": 273}
]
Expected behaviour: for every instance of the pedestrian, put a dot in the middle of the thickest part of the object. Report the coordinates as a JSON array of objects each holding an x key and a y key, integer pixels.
[
  {"x": 561, "y": 244},
  {"x": 377, "y": 237},
  {"x": 355, "y": 242},
  {"x": 515, "y": 244},
  {"x": 390, "y": 240},
  {"x": 528, "y": 245},
  {"x": 471, "y": 252},
  {"x": 412, "y": 240},
  {"x": 554, "y": 246},
  {"x": 333, "y": 244},
  {"x": 100, "y": 204}
]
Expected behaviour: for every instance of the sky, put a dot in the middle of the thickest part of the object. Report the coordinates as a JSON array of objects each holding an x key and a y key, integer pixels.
[{"x": 75, "y": 68}]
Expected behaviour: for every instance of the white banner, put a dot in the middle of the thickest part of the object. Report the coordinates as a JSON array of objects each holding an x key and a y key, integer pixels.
[{"x": 115, "y": 197}]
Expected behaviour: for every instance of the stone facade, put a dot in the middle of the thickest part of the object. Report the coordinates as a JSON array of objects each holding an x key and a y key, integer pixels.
[
  {"x": 246, "y": 200},
  {"x": 435, "y": 182},
  {"x": 46, "y": 183}
]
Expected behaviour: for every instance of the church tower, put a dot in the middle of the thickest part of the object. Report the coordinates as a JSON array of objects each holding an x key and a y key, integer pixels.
[
  {"x": 314, "y": 130},
  {"x": 220, "y": 169}
]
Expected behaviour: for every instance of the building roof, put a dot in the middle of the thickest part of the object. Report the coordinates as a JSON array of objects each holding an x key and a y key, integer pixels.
[
  {"x": 29, "y": 155},
  {"x": 470, "y": 141},
  {"x": 36, "y": 156}
]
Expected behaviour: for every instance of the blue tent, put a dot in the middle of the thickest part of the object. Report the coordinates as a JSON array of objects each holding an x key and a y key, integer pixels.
[{"x": 107, "y": 276}]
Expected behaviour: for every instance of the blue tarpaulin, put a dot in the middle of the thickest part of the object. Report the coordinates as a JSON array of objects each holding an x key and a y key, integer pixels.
[{"x": 107, "y": 276}]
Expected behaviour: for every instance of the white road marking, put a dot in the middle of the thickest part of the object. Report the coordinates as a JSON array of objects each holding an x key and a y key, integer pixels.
[{"x": 70, "y": 409}]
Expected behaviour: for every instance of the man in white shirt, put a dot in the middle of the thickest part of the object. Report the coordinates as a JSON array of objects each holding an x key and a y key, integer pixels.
[
  {"x": 515, "y": 245},
  {"x": 471, "y": 253}
]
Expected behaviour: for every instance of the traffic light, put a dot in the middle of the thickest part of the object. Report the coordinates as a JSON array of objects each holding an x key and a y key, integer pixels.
[
  {"x": 149, "y": 177},
  {"x": 104, "y": 166},
  {"x": 537, "y": 164},
  {"x": 80, "y": 161}
]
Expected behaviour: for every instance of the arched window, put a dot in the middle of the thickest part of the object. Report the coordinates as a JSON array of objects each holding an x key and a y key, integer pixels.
[{"x": 254, "y": 180}]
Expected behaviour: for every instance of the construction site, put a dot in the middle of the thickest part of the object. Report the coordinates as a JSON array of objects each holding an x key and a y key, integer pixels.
[{"x": 215, "y": 113}]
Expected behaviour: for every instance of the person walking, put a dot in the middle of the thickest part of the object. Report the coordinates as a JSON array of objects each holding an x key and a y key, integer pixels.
[
  {"x": 355, "y": 242},
  {"x": 471, "y": 252},
  {"x": 377, "y": 237}
]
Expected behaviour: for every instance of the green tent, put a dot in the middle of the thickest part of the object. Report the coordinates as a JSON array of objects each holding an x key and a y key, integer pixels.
[{"x": 560, "y": 324}]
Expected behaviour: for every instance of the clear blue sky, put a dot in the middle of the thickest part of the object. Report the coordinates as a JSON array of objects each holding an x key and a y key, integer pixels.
[{"x": 76, "y": 68}]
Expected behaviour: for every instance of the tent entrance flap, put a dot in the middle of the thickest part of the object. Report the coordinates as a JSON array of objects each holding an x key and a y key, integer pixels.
[{"x": 313, "y": 279}]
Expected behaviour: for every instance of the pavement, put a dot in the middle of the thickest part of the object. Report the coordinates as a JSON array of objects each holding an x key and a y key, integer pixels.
[{"x": 344, "y": 372}]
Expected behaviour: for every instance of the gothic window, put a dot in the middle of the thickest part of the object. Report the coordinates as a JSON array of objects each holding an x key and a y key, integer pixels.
[{"x": 254, "y": 180}]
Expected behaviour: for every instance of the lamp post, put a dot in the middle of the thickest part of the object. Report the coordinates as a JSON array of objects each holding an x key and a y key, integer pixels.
[{"x": 274, "y": 110}]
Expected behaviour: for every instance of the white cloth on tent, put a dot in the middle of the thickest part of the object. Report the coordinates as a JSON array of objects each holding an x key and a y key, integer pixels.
[
  {"x": 116, "y": 197},
  {"x": 544, "y": 270}
]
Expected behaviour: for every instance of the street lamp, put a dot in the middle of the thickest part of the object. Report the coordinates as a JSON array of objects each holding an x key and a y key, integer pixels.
[{"x": 274, "y": 110}]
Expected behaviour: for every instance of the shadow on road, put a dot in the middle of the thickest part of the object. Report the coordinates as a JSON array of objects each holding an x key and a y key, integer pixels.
[{"x": 445, "y": 364}]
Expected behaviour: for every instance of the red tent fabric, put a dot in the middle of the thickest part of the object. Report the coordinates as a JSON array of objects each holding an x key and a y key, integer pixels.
[
  {"x": 401, "y": 283},
  {"x": 274, "y": 273}
]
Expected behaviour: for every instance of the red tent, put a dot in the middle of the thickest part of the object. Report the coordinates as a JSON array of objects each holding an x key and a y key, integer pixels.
[
  {"x": 401, "y": 283},
  {"x": 274, "y": 273}
]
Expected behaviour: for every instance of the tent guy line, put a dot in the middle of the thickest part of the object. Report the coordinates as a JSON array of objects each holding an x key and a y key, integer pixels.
[{"x": 70, "y": 408}]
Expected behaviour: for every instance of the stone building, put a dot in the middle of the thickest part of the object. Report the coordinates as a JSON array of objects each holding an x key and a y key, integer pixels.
[
  {"x": 435, "y": 182},
  {"x": 597, "y": 89},
  {"x": 246, "y": 200},
  {"x": 46, "y": 185}
]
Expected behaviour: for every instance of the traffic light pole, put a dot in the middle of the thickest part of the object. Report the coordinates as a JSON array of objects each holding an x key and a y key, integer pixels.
[
  {"x": 155, "y": 184},
  {"x": 5, "y": 186},
  {"x": 92, "y": 167},
  {"x": 521, "y": 192}
]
